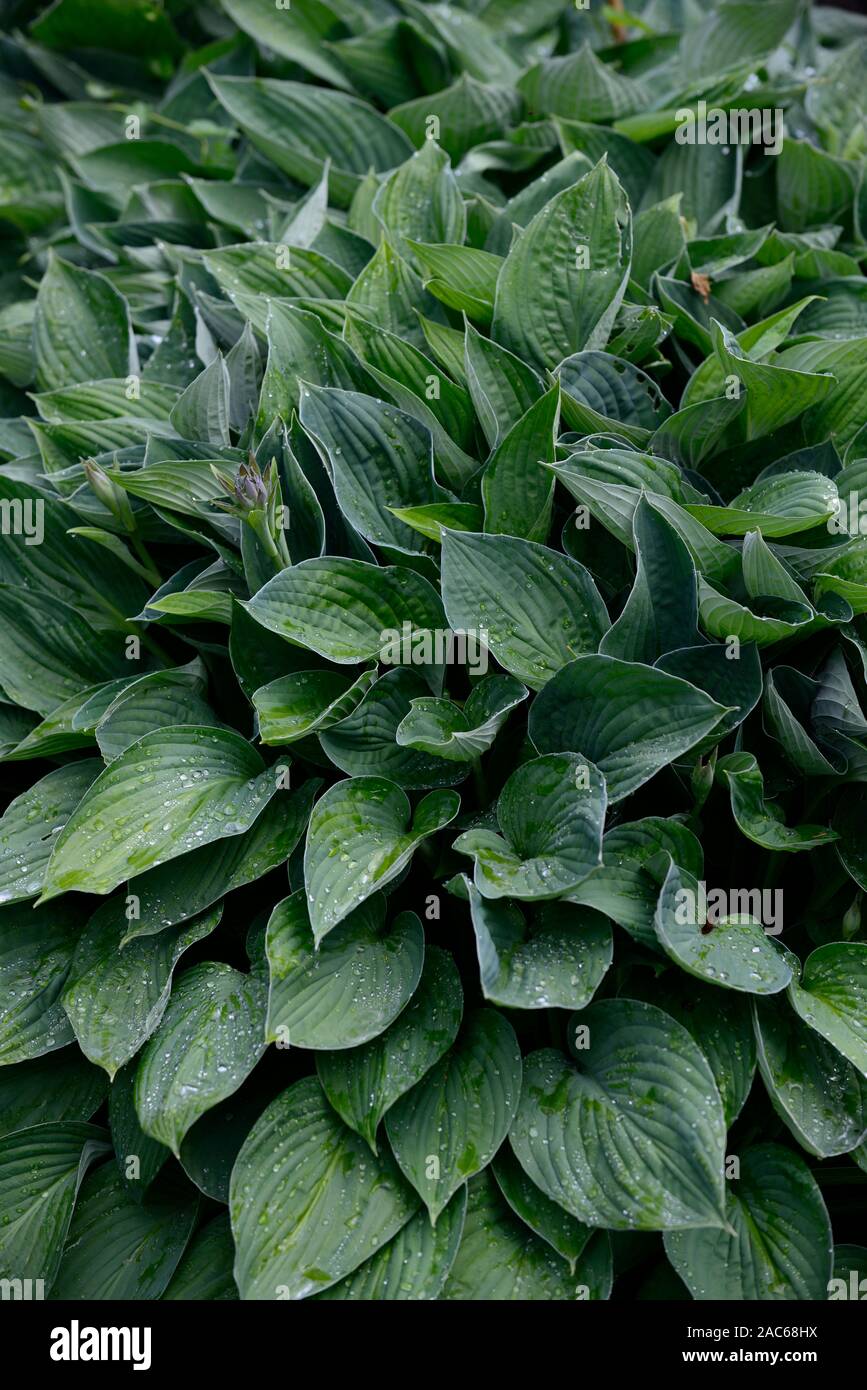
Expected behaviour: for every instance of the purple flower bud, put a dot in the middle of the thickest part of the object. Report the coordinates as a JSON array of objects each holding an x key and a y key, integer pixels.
[{"x": 250, "y": 488}]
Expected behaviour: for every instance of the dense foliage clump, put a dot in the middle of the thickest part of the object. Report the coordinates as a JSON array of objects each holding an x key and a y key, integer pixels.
[{"x": 433, "y": 569}]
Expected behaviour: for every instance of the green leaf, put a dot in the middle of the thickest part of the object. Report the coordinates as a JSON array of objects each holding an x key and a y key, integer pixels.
[
  {"x": 174, "y": 892},
  {"x": 379, "y": 457},
  {"x": 551, "y": 813},
  {"x": 560, "y": 1230},
  {"x": 500, "y": 1259},
  {"x": 558, "y": 960},
  {"x": 153, "y": 702},
  {"x": 172, "y": 791},
  {"x": 659, "y": 239},
  {"x": 363, "y": 1083},
  {"x": 469, "y": 112},
  {"x": 445, "y": 730},
  {"x": 120, "y": 1249},
  {"x": 819, "y": 1096},
  {"x": 503, "y": 388},
  {"x": 630, "y": 720},
  {"x": 736, "y": 35},
  {"x": 139, "y": 1158},
  {"x": 389, "y": 294},
  {"x": 365, "y": 742},
  {"x": 308, "y": 1204},
  {"x": 348, "y": 989},
  {"x": 421, "y": 201},
  {"x": 300, "y": 34},
  {"x": 582, "y": 87},
  {"x": 721, "y": 1024},
  {"x": 415, "y": 383},
  {"x": 300, "y": 348},
  {"x": 632, "y": 164},
  {"x": 562, "y": 283},
  {"x": 347, "y": 610},
  {"x": 305, "y": 702},
  {"x": 36, "y": 949},
  {"x": 82, "y": 329},
  {"x": 254, "y": 272},
  {"x": 131, "y": 28},
  {"x": 633, "y": 1137},
  {"x": 622, "y": 888},
  {"x": 731, "y": 950},
  {"x": 49, "y": 651},
  {"x": 205, "y": 1269},
  {"x": 208, "y": 1041},
  {"x": 31, "y": 823},
  {"x": 813, "y": 187},
  {"x": 778, "y": 506},
  {"x": 49, "y": 1088},
  {"x": 202, "y": 412},
  {"x": 41, "y": 1171},
  {"x": 362, "y": 833},
  {"x": 735, "y": 683},
  {"x": 661, "y": 613},
  {"x": 517, "y": 493},
  {"x": 116, "y": 995},
  {"x": 535, "y": 609},
  {"x": 775, "y": 394},
  {"x": 780, "y": 1246},
  {"x": 101, "y": 588},
  {"x": 298, "y": 127},
  {"x": 830, "y": 997},
  {"x": 451, "y": 1124},
  {"x": 604, "y": 392},
  {"x": 760, "y": 820},
  {"x": 461, "y": 277},
  {"x": 415, "y": 1263}
]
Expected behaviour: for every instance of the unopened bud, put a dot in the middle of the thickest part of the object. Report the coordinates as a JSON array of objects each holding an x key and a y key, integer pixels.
[
  {"x": 851, "y": 924},
  {"x": 110, "y": 495}
]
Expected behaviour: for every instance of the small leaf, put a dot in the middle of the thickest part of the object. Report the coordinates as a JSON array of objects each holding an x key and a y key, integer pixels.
[
  {"x": 732, "y": 951},
  {"x": 558, "y": 961},
  {"x": 348, "y": 989},
  {"x": 208, "y": 1041},
  {"x": 361, "y": 835},
  {"x": 832, "y": 998},
  {"x": 551, "y": 813}
]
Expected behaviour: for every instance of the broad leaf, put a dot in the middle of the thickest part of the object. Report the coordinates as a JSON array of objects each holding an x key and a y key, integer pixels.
[
  {"x": 308, "y": 1203},
  {"x": 633, "y": 1136}
]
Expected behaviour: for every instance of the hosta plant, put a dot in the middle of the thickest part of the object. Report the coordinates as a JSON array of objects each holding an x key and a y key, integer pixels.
[{"x": 433, "y": 570}]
